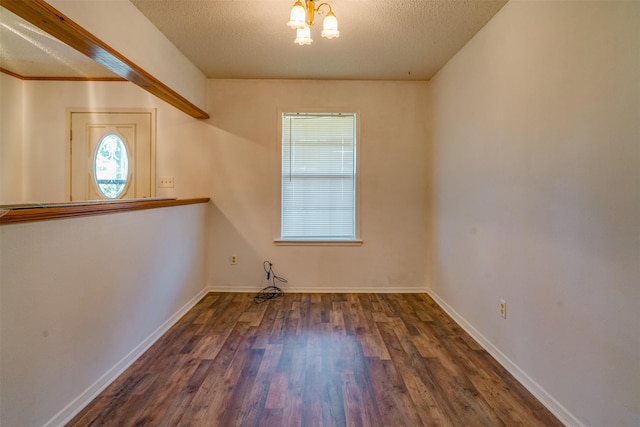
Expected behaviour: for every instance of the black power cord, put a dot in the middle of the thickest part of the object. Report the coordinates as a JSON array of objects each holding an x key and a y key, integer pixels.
[{"x": 271, "y": 291}]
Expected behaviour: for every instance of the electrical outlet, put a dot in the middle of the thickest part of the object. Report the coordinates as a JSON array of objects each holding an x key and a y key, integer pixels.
[
  {"x": 166, "y": 182},
  {"x": 503, "y": 309},
  {"x": 233, "y": 260}
]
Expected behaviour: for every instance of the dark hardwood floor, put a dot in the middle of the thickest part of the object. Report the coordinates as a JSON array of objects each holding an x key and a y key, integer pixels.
[{"x": 316, "y": 360}]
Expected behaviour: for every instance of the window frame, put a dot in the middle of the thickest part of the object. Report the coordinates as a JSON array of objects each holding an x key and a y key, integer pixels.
[{"x": 357, "y": 241}]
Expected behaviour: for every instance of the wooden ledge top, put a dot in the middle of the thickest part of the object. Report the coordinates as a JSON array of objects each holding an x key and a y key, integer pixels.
[{"x": 36, "y": 212}]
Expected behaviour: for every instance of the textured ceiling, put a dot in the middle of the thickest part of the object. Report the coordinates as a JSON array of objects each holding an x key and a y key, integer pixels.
[{"x": 379, "y": 39}]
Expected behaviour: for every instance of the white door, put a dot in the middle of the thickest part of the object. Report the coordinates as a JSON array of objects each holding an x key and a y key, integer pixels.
[{"x": 111, "y": 155}]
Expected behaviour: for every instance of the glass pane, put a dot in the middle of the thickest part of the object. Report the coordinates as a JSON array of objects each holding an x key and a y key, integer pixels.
[{"x": 111, "y": 166}]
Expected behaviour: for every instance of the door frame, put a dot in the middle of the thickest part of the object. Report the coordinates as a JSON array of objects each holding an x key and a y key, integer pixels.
[{"x": 70, "y": 110}]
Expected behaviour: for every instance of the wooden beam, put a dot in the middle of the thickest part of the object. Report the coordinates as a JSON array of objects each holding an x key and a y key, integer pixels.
[{"x": 47, "y": 18}]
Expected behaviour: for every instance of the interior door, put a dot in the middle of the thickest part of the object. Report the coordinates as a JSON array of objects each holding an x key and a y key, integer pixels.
[{"x": 133, "y": 133}]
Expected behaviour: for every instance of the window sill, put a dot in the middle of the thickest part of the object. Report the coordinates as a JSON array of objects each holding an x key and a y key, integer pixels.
[
  {"x": 279, "y": 242},
  {"x": 40, "y": 212}
]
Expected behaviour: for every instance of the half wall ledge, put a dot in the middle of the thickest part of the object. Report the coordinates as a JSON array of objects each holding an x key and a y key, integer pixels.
[{"x": 30, "y": 212}]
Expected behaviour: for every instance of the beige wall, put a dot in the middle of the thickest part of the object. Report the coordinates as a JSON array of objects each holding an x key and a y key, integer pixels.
[
  {"x": 83, "y": 297},
  {"x": 535, "y": 199},
  {"x": 11, "y": 105},
  {"x": 245, "y": 185},
  {"x": 180, "y": 152}
]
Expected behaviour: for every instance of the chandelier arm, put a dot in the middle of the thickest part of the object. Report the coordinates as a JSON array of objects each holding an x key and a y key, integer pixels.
[{"x": 323, "y": 4}]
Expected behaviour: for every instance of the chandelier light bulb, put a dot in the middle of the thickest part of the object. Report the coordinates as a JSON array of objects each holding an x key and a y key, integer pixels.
[
  {"x": 298, "y": 16},
  {"x": 303, "y": 35},
  {"x": 330, "y": 26}
]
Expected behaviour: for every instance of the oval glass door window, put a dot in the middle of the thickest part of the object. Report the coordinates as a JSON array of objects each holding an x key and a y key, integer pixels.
[{"x": 111, "y": 166}]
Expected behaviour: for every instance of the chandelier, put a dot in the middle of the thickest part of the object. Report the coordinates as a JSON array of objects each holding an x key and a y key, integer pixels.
[{"x": 302, "y": 17}]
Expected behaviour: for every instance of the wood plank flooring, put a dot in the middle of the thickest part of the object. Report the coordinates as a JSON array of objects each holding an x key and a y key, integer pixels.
[{"x": 316, "y": 360}]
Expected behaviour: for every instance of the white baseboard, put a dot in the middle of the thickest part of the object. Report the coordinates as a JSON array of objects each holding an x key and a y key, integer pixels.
[
  {"x": 77, "y": 404},
  {"x": 324, "y": 289},
  {"x": 228, "y": 288},
  {"x": 566, "y": 417}
]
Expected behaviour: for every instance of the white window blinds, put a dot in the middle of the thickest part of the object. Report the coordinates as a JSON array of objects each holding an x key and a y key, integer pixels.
[{"x": 318, "y": 176}]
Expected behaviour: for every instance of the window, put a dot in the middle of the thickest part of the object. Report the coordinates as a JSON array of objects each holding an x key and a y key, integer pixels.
[
  {"x": 111, "y": 166},
  {"x": 318, "y": 177}
]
